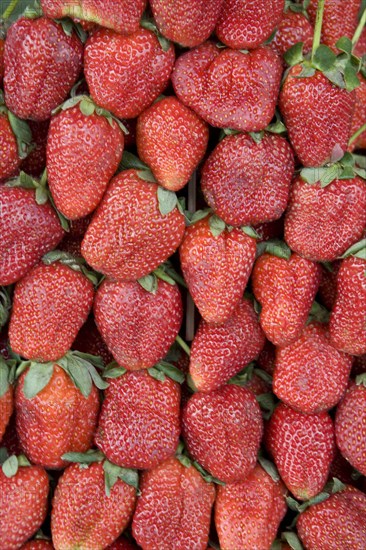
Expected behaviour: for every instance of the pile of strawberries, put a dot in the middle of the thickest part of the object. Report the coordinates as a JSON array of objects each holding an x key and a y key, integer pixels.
[{"x": 230, "y": 211}]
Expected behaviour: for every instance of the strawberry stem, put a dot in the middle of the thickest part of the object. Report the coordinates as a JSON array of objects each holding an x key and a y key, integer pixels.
[
  {"x": 358, "y": 132},
  {"x": 9, "y": 10},
  {"x": 318, "y": 27},
  {"x": 359, "y": 29},
  {"x": 183, "y": 345}
]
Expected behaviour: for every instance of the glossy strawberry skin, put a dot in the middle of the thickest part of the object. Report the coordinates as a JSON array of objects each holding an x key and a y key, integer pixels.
[
  {"x": 190, "y": 502},
  {"x": 83, "y": 153},
  {"x": 126, "y": 74},
  {"x": 218, "y": 352},
  {"x": 302, "y": 447},
  {"x": 248, "y": 514},
  {"x": 171, "y": 139},
  {"x": 24, "y": 505},
  {"x": 120, "y": 15},
  {"x": 358, "y": 118},
  {"x": 38, "y": 544},
  {"x": 322, "y": 223},
  {"x": 138, "y": 326},
  {"x": 317, "y": 115},
  {"x": 82, "y": 514},
  {"x": 246, "y": 25},
  {"x": 50, "y": 304},
  {"x": 35, "y": 162},
  {"x": 286, "y": 290},
  {"x": 2, "y": 48},
  {"x": 293, "y": 28},
  {"x": 9, "y": 158},
  {"x": 222, "y": 430},
  {"x": 6, "y": 409},
  {"x": 337, "y": 21},
  {"x": 246, "y": 182},
  {"x": 128, "y": 237},
  {"x": 122, "y": 543},
  {"x": 28, "y": 230},
  {"x": 42, "y": 64},
  {"x": 189, "y": 23},
  {"x": 310, "y": 374},
  {"x": 216, "y": 268},
  {"x": 228, "y": 88},
  {"x": 338, "y": 522}
]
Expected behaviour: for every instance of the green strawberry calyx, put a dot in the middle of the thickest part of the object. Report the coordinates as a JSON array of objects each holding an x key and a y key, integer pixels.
[
  {"x": 10, "y": 464},
  {"x": 289, "y": 537},
  {"x": 297, "y": 7},
  {"x": 68, "y": 25},
  {"x": 275, "y": 247},
  {"x": 343, "y": 166},
  {"x": 20, "y": 128},
  {"x": 149, "y": 24},
  {"x": 216, "y": 224},
  {"x": 76, "y": 263},
  {"x": 7, "y": 374},
  {"x": 334, "y": 486},
  {"x": 277, "y": 126},
  {"x": 5, "y": 305},
  {"x": 358, "y": 250},
  {"x": 160, "y": 371},
  {"x": 164, "y": 272},
  {"x": 182, "y": 455}
]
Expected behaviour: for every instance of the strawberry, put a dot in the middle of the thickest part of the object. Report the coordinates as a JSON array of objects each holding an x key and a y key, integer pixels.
[
  {"x": 171, "y": 139},
  {"x": 122, "y": 543},
  {"x": 28, "y": 230},
  {"x": 222, "y": 430},
  {"x": 90, "y": 341},
  {"x": 72, "y": 240},
  {"x": 50, "y": 305},
  {"x": 322, "y": 222},
  {"x": 84, "y": 148},
  {"x": 83, "y": 515},
  {"x": 2, "y": 48},
  {"x": 189, "y": 23},
  {"x": 248, "y": 514},
  {"x": 337, "y": 21},
  {"x": 126, "y": 74},
  {"x": 360, "y": 46},
  {"x": 347, "y": 321},
  {"x": 266, "y": 358},
  {"x": 9, "y": 158},
  {"x": 146, "y": 429},
  {"x": 42, "y": 64},
  {"x": 138, "y": 326},
  {"x": 328, "y": 285},
  {"x": 220, "y": 351},
  {"x": 350, "y": 426},
  {"x": 229, "y": 88},
  {"x": 294, "y": 27},
  {"x": 270, "y": 230},
  {"x": 6, "y": 395},
  {"x": 358, "y": 118},
  {"x": 338, "y": 522},
  {"x": 24, "y": 494},
  {"x": 38, "y": 544},
  {"x": 285, "y": 288},
  {"x": 187, "y": 522},
  {"x": 216, "y": 263},
  {"x": 310, "y": 374},
  {"x": 120, "y": 15},
  {"x": 302, "y": 447},
  {"x": 247, "y": 24},
  {"x": 129, "y": 236},
  {"x": 35, "y": 162},
  {"x": 246, "y": 182}
]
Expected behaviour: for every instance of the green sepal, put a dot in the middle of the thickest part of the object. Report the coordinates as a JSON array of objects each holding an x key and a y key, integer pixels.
[
  {"x": 156, "y": 374},
  {"x": 5, "y": 305},
  {"x": 112, "y": 473},
  {"x": 82, "y": 370},
  {"x": 217, "y": 225},
  {"x": 22, "y": 134},
  {"x": 269, "y": 467},
  {"x": 149, "y": 283},
  {"x": 267, "y": 403},
  {"x": 294, "y": 55},
  {"x": 37, "y": 378},
  {"x": 195, "y": 217},
  {"x": 278, "y": 126},
  {"x": 34, "y": 11},
  {"x": 76, "y": 263},
  {"x": 358, "y": 250},
  {"x": 7, "y": 374},
  {"x": 150, "y": 26},
  {"x": 276, "y": 247},
  {"x": 345, "y": 45},
  {"x": 171, "y": 371},
  {"x": 324, "y": 58},
  {"x": 181, "y": 455},
  {"x": 167, "y": 200},
  {"x": 69, "y": 26},
  {"x": 341, "y": 167},
  {"x": 306, "y": 72},
  {"x": 206, "y": 476},
  {"x": 361, "y": 379},
  {"x": 250, "y": 231},
  {"x": 292, "y": 540},
  {"x": 89, "y": 457},
  {"x": 318, "y": 313},
  {"x": 131, "y": 161},
  {"x": 113, "y": 370},
  {"x": 257, "y": 136},
  {"x": 11, "y": 465},
  {"x": 167, "y": 273}
]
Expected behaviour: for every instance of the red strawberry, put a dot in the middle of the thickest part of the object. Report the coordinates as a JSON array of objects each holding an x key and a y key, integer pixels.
[
  {"x": 24, "y": 495},
  {"x": 171, "y": 139},
  {"x": 189, "y": 23},
  {"x": 358, "y": 118},
  {"x": 339, "y": 19},
  {"x": 139, "y": 424},
  {"x": 328, "y": 284},
  {"x": 248, "y": 514},
  {"x": 89, "y": 340},
  {"x": 42, "y": 64},
  {"x": 35, "y": 162},
  {"x": 126, "y": 74},
  {"x": 122, "y": 543},
  {"x": 338, "y": 522},
  {"x": 84, "y": 149},
  {"x": 347, "y": 321},
  {"x": 220, "y": 351},
  {"x": 341, "y": 469},
  {"x": 2, "y": 48},
  {"x": 38, "y": 544},
  {"x": 138, "y": 326},
  {"x": 266, "y": 358},
  {"x": 246, "y": 182},
  {"x": 360, "y": 47},
  {"x": 50, "y": 305},
  {"x": 186, "y": 523},
  {"x": 6, "y": 396},
  {"x": 323, "y": 222},
  {"x": 246, "y": 24},
  {"x": 83, "y": 515},
  {"x": 350, "y": 427},
  {"x": 294, "y": 27},
  {"x": 310, "y": 374},
  {"x": 72, "y": 240},
  {"x": 28, "y": 230},
  {"x": 286, "y": 289},
  {"x": 222, "y": 430},
  {"x": 216, "y": 263},
  {"x": 129, "y": 236},
  {"x": 9, "y": 157},
  {"x": 302, "y": 447},
  {"x": 122, "y": 16},
  {"x": 229, "y": 88}
]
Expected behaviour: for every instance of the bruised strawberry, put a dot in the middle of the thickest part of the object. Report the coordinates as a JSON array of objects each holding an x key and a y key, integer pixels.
[
  {"x": 129, "y": 236},
  {"x": 248, "y": 513},
  {"x": 247, "y": 24},
  {"x": 310, "y": 374},
  {"x": 337, "y": 21},
  {"x": 190, "y": 499},
  {"x": 220, "y": 351},
  {"x": 216, "y": 263},
  {"x": 171, "y": 139},
  {"x": 42, "y": 64},
  {"x": 293, "y": 28},
  {"x": 229, "y": 88},
  {"x": 246, "y": 182},
  {"x": 189, "y": 23},
  {"x": 222, "y": 430},
  {"x": 126, "y": 74},
  {"x": 302, "y": 447},
  {"x": 286, "y": 289},
  {"x": 35, "y": 162},
  {"x": 9, "y": 158},
  {"x": 89, "y": 340}
]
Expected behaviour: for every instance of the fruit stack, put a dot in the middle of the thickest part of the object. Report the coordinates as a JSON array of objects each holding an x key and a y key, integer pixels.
[{"x": 183, "y": 275}]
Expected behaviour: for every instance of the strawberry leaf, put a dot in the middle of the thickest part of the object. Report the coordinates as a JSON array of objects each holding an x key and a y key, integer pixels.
[
  {"x": 22, "y": 134},
  {"x": 87, "y": 107},
  {"x": 149, "y": 283},
  {"x": 10, "y": 466},
  {"x": 294, "y": 55},
  {"x": 292, "y": 540},
  {"x": 167, "y": 201},
  {"x": 206, "y": 476},
  {"x": 250, "y": 231},
  {"x": 345, "y": 45},
  {"x": 4, "y": 376},
  {"x": 84, "y": 458},
  {"x": 275, "y": 247},
  {"x": 356, "y": 249},
  {"x": 324, "y": 58},
  {"x": 171, "y": 371},
  {"x": 156, "y": 374},
  {"x": 5, "y": 306},
  {"x": 217, "y": 225},
  {"x": 269, "y": 467},
  {"x": 113, "y": 370},
  {"x": 37, "y": 378},
  {"x": 112, "y": 473}
]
